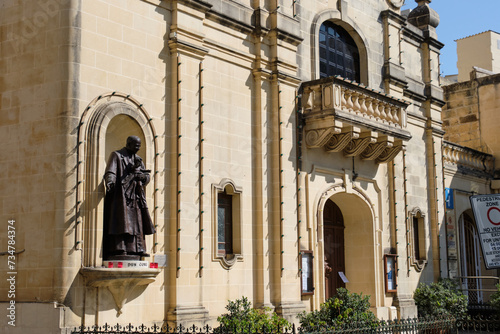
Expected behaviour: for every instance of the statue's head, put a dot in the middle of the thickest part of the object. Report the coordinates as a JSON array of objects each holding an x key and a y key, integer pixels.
[{"x": 133, "y": 144}]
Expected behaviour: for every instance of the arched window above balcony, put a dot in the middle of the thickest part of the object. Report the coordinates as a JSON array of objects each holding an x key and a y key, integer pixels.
[{"x": 338, "y": 53}]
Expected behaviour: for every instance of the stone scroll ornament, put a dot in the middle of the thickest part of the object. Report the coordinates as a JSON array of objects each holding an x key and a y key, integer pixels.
[{"x": 126, "y": 216}]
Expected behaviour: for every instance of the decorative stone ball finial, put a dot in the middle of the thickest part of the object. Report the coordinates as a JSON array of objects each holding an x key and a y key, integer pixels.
[{"x": 423, "y": 16}]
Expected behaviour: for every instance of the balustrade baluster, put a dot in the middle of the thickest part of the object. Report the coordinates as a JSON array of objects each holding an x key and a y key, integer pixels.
[
  {"x": 343, "y": 101},
  {"x": 376, "y": 110},
  {"x": 355, "y": 100},
  {"x": 362, "y": 104},
  {"x": 387, "y": 108},
  {"x": 394, "y": 111},
  {"x": 381, "y": 108},
  {"x": 349, "y": 104},
  {"x": 369, "y": 104}
]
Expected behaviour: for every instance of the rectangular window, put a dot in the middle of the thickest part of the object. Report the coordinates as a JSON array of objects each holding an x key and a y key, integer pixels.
[
  {"x": 417, "y": 244},
  {"x": 416, "y": 239},
  {"x": 224, "y": 224}
]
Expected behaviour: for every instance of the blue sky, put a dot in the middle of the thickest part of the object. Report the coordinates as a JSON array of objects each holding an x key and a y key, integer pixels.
[{"x": 458, "y": 19}]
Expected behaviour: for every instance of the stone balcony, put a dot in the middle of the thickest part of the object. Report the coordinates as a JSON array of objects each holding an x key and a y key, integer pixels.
[
  {"x": 467, "y": 161},
  {"x": 343, "y": 116}
]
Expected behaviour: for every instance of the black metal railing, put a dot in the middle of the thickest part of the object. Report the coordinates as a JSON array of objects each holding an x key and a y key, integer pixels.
[
  {"x": 478, "y": 288},
  {"x": 407, "y": 326},
  {"x": 479, "y": 324}
]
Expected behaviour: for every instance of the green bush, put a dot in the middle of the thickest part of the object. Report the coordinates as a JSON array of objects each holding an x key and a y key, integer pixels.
[
  {"x": 441, "y": 298},
  {"x": 241, "y": 317},
  {"x": 495, "y": 299},
  {"x": 337, "y": 311}
]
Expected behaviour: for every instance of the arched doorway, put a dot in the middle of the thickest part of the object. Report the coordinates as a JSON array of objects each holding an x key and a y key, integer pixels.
[
  {"x": 470, "y": 255},
  {"x": 347, "y": 240},
  {"x": 333, "y": 232}
]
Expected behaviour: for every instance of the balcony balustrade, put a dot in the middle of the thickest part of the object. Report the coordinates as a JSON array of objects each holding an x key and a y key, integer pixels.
[
  {"x": 467, "y": 161},
  {"x": 341, "y": 115}
]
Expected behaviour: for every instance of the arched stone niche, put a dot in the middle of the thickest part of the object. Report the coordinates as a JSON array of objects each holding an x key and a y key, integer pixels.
[
  {"x": 104, "y": 128},
  {"x": 119, "y": 128}
]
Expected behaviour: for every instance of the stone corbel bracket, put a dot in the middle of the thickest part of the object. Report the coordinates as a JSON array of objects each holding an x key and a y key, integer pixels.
[
  {"x": 357, "y": 146},
  {"x": 390, "y": 152},
  {"x": 373, "y": 151},
  {"x": 120, "y": 282},
  {"x": 319, "y": 131},
  {"x": 338, "y": 142}
]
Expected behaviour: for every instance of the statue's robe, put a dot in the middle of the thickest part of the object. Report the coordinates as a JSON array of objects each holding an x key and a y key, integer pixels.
[{"x": 126, "y": 216}]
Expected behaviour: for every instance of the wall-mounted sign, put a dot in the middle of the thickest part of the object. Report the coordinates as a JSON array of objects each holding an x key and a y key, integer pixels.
[
  {"x": 306, "y": 277},
  {"x": 391, "y": 270},
  {"x": 451, "y": 236},
  {"x": 486, "y": 210},
  {"x": 448, "y": 195},
  {"x": 343, "y": 277}
]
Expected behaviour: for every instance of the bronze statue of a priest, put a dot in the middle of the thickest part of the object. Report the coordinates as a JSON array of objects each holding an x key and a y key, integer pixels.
[{"x": 126, "y": 215}]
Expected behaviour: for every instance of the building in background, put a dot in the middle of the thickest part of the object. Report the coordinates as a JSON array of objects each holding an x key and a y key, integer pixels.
[
  {"x": 480, "y": 50},
  {"x": 293, "y": 147},
  {"x": 471, "y": 150}
]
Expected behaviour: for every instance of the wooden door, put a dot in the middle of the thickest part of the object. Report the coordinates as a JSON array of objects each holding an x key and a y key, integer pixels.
[
  {"x": 470, "y": 258},
  {"x": 333, "y": 227}
]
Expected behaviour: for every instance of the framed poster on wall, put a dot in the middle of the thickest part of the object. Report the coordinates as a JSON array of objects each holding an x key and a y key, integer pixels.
[
  {"x": 391, "y": 272},
  {"x": 306, "y": 273}
]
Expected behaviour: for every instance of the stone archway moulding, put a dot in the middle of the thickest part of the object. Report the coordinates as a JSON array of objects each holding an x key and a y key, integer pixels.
[
  {"x": 90, "y": 164},
  {"x": 339, "y": 188},
  {"x": 346, "y": 186}
]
